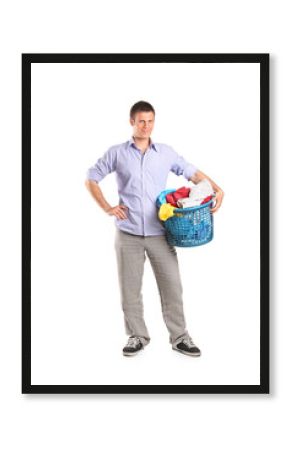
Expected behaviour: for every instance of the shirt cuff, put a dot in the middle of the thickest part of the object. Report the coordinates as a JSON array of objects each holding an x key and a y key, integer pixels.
[
  {"x": 94, "y": 176},
  {"x": 189, "y": 171}
]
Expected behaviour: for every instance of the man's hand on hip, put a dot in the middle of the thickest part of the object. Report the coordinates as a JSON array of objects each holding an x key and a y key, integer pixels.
[{"x": 118, "y": 211}]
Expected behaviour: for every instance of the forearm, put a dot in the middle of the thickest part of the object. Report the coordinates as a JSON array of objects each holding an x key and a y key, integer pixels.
[
  {"x": 97, "y": 194},
  {"x": 198, "y": 176}
]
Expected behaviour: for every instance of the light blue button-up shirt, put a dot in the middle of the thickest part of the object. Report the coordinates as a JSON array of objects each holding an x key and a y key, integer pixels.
[{"x": 140, "y": 179}]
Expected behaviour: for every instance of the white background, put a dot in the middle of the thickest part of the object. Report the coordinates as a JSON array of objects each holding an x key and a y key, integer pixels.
[
  {"x": 210, "y": 114},
  {"x": 91, "y": 421}
]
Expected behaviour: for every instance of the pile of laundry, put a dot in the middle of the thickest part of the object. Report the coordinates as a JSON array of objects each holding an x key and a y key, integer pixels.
[{"x": 185, "y": 197}]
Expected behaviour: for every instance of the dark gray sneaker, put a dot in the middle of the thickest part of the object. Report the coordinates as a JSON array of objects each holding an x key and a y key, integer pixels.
[
  {"x": 134, "y": 345},
  {"x": 187, "y": 347}
]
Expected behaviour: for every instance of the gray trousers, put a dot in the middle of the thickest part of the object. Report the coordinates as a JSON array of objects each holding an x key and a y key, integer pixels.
[{"x": 131, "y": 253}]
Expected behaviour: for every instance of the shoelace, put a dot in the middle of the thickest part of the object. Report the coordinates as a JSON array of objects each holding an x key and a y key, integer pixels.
[
  {"x": 188, "y": 341},
  {"x": 133, "y": 341}
]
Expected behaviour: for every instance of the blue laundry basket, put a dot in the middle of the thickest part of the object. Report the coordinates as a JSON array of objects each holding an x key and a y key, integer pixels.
[{"x": 189, "y": 227}]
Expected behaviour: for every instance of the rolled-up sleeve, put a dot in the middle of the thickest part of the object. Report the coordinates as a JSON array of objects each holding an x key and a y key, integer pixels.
[
  {"x": 181, "y": 167},
  {"x": 104, "y": 165}
]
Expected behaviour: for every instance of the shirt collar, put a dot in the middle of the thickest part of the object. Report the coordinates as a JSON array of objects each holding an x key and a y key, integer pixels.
[{"x": 151, "y": 145}]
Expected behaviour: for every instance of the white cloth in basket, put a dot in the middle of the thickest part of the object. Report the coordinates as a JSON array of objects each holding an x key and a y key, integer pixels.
[{"x": 197, "y": 194}]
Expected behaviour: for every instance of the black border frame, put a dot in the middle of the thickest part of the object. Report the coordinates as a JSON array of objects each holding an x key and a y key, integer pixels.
[{"x": 260, "y": 58}]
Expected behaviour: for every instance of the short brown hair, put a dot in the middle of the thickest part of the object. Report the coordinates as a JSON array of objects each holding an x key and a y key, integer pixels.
[{"x": 140, "y": 107}]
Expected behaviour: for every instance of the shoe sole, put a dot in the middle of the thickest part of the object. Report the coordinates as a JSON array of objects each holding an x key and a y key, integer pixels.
[
  {"x": 132, "y": 354},
  {"x": 186, "y": 353}
]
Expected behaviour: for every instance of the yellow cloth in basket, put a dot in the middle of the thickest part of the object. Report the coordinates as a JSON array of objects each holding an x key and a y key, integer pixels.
[{"x": 166, "y": 211}]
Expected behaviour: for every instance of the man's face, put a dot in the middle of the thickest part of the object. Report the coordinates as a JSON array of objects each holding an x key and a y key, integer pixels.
[{"x": 143, "y": 124}]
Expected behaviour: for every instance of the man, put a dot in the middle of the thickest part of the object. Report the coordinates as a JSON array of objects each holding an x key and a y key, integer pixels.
[{"x": 142, "y": 168}]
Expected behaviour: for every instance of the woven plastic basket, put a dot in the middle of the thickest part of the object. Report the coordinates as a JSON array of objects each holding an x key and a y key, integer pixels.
[{"x": 189, "y": 227}]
